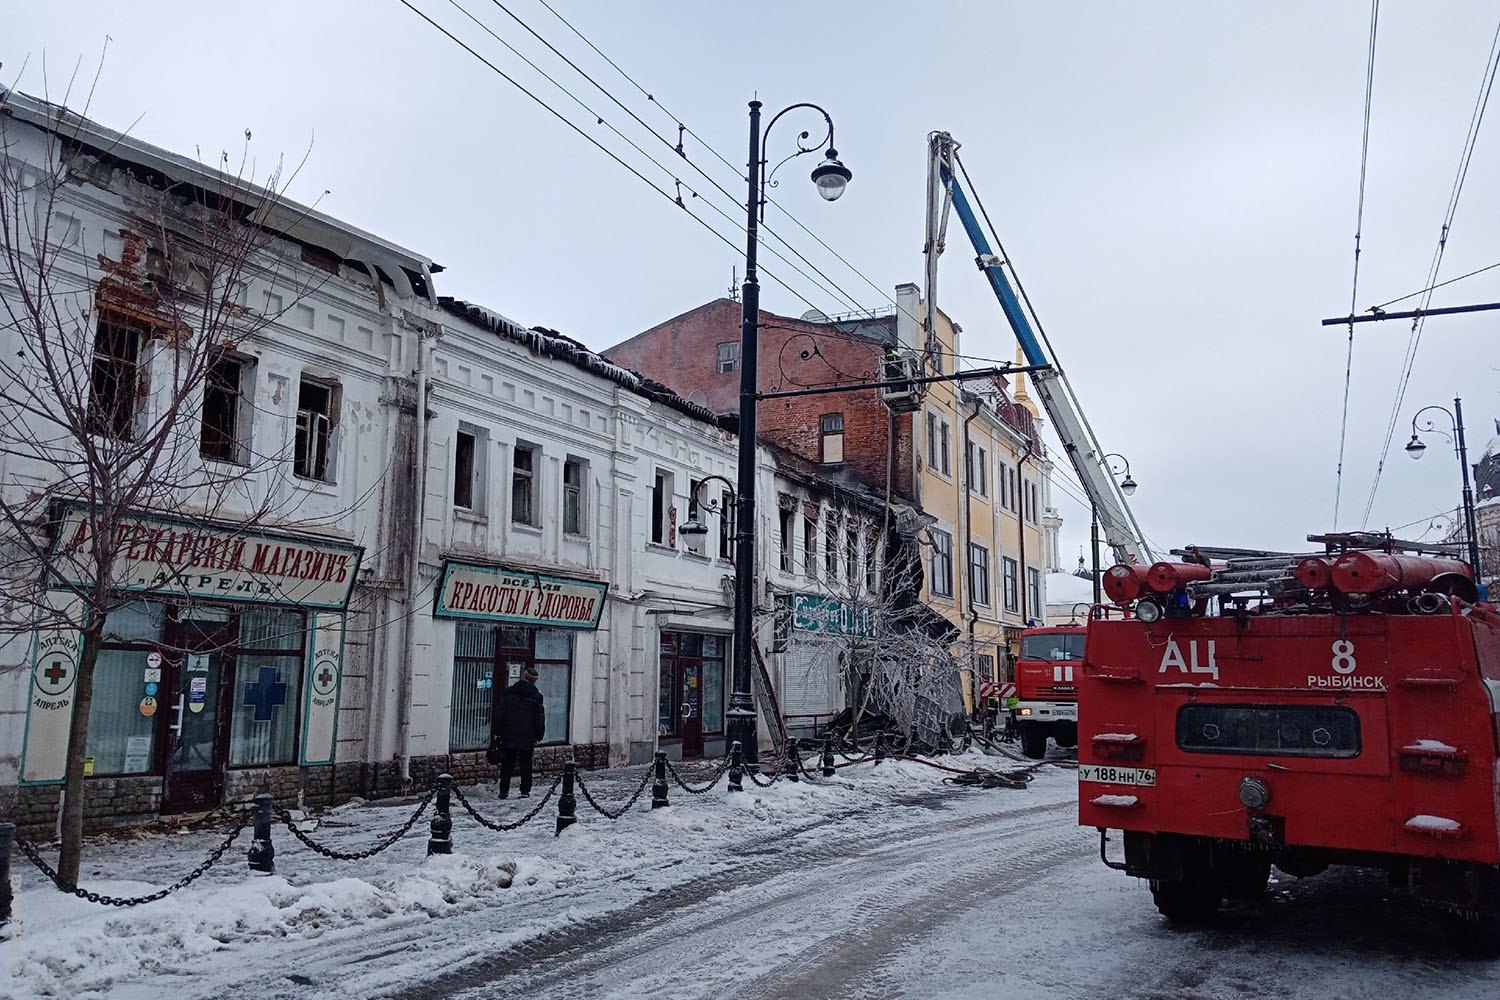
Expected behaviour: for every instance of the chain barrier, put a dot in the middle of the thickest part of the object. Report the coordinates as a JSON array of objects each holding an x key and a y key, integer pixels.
[
  {"x": 499, "y": 827},
  {"x": 36, "y": 859},
  {"x": 329, "y": 852},
  {"x": 753, "y": 773},
  {"x": 722, "y": 770},
  {"x": 645, "y": 780}
]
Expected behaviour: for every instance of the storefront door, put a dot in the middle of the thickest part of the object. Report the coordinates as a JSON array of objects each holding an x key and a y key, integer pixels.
[
  {"x": 197, "y": 743},
  {"x": 691, "y": 692}
]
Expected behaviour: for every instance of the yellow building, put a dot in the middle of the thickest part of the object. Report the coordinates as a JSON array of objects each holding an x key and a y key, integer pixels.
[{"x": 984, "y": 477}]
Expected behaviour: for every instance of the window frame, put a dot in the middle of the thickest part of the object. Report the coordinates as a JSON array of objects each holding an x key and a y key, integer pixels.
[
  {"x": 114, "y": 400},
  {"x": 942, "y": 554},
  {"x": 319, "y": 468},
  {"x": 662, "y": 486},
  {"x": 727, "y": 361},
  {"x": 831, "y": 450},
  {"x": 979, "y": 574},
  {"x": 575, "y": 497},
  {"x": 527, "y": 478},
  {"x": 240, "y": 408},
  {"x": 1010, "y": 575}
]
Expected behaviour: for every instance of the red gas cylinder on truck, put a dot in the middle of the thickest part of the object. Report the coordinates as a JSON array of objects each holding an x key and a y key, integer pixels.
[{"x": 1338, "y": 709}]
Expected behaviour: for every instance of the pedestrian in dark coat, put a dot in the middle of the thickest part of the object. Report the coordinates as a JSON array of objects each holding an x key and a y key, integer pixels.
[{"x": 519, "y": 728}]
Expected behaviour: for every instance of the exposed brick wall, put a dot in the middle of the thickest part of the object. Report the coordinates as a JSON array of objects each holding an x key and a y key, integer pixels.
[{"x": 682, "y": 353}]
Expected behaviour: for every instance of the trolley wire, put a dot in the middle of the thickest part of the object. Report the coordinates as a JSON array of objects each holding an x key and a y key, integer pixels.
[
  {"x": 1359, "y": 223},
  {"x": 1414, "y": 339}
]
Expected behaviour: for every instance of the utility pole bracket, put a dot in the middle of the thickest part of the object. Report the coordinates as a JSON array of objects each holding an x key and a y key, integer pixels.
[{"x": 985, "y": 261}]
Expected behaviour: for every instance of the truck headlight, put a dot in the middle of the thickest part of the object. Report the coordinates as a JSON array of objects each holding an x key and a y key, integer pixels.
[
  {"x": 1024, "y": 712},
  {"x": 1147, "y": 611}
]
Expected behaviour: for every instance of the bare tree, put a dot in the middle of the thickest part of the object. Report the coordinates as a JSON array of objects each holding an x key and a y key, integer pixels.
[{"x": 114, "y": 376}]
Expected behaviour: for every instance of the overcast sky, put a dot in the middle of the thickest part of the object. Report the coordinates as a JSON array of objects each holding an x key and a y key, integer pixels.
[{"x": 1175, "y": 182}]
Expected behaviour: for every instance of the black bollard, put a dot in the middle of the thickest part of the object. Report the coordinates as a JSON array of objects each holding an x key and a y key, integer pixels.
[
  {"x": 567, "y": 803},
  {"x": 968, "y": 740},
  {"x": 827, "y": 755},
  {"x": 944, "y": 741},
  {"x": 7, "y": 837},
  {"x": 736, "y": 767},
  {"x": 789, "y": 767},
  {"x": 911, "y": 741},
  {"x": 440, "y": 840},
  {"x": 262, "y": 856},
  {"x": 659, "y": 786},
  {"x": 879, "y": 747}
]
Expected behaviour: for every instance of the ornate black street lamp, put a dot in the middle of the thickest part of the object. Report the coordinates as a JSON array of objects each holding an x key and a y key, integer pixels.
[
  {"x": 831, "y": 177},
  {"x": 693, "y": 525},
  {"x": 1415, "y": 448},
  {"x": 1127, "y": 487}
]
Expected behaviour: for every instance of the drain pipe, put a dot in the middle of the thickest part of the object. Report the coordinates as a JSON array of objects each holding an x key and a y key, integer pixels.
[{"x": 414, "y": 555}]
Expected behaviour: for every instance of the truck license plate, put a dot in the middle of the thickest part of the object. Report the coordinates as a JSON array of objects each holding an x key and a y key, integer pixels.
[{"x": 1145, "y": 776}]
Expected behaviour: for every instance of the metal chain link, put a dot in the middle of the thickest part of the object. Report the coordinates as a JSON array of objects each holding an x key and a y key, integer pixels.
[
  {"x": 93, "y": 897},
  {"x": 645, "y": 780},
  {"x": 723, "y": 769},
  {"x": 754, "y": 775},
  {"x": 506, "y": 827},
  {"x": 328, "y": 852}
]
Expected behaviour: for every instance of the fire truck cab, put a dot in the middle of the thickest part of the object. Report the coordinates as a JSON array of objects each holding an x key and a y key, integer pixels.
[
  {"x": 1047, "y": 671},
  {"x": 1346, "y": 717}
]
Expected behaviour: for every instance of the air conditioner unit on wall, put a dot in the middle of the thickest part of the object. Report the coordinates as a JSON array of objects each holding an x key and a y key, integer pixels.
[{"x": 906, "y": 396}]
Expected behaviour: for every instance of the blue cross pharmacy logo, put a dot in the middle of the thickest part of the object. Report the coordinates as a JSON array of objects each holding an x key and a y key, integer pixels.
[{"x": 265, "y": 693}]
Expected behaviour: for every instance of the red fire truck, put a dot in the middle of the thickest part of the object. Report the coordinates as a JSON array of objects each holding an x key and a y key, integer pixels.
[
  {"x": 1047, "y": 672},
  {"x": 1345, "y": 716}
]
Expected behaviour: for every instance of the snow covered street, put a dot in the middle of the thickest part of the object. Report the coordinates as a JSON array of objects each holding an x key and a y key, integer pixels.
[{"x": 878, "y": 882}]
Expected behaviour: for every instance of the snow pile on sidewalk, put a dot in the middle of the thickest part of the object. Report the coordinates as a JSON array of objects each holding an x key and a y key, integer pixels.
[{"x": 314, "y": 906}]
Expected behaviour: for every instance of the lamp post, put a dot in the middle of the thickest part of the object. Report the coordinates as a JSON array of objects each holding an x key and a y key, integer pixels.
[
  {"x": 831, "y": 177},
  {"x": 1127, "y": 487},
  {"x": 694, "y": 526},
  {"x": 1415, "y": 448}
]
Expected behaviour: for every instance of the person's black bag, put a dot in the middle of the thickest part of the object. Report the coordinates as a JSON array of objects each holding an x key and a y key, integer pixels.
[{"x": 493, "y": 753}]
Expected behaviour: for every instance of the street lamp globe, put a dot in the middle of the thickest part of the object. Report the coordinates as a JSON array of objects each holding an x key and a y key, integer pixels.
[
  {"x": 1415, "y": 448},
  {"x": 831, "y": 176},
  {"x": 1127, "y": 485}
]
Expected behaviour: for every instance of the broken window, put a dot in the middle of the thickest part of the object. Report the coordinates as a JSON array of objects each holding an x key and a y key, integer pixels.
[
  {"x": 469, "y": 477},
  {"x": 726, "y": 525},
  {"x": 312, "y": 451},
  {"x": 786, "y": 539},
  {"x": 810, "y": 546},
  {"x": 114, "y": 391},
  {"x": 575, "y": 471},
  {"x": 523, "y": 505},
  {"x": 728, "y": 356},
  {"x": 225, "y": 435},
  {"x": 661, "y": 509}
]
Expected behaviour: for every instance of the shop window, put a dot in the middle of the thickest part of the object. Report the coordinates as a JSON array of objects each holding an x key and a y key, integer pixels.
[
  {"x": 661, "y": 509},
  {"x": 473, "y": 687},
  {"x": 115, "y": 386},
  {"x": 227, "y": 387},
  {"x": 554, "y": 662},
  {"x": 979, "y": 574},
  {"x": 941, "y": 583},
  {"x": 690, "y": 689},
  {"x": 122, "y": 740},
  {"x": 785, "y": 516},
  {"x": 575, "y": 484},
  {"x": 1012, "y": 597},
  {"x": 728, "y": 357},
  {"x": 833, "y": 438},
  {"x": 470, "y": 446},
  {"x": 268, "y": 686},
  {"x": 523, "y": 499},
  {"x": 312, "y": 451},
  {"x": 726, "y": 526}
]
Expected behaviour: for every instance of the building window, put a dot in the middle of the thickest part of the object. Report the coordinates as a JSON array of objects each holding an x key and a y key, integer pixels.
[
  {"x": 942, "y": 562},
  {"x": 872, "y": 565},
  {"x": 115, "y": 387},
  {"x": 661, "y": 509},
  {"x": 787, "y": 538},
  {"x": 268, "y": 671},
  {"x": 470, "y": 447},
  {"x": 1000, "y": 497},
  {"x": 523, "y": 498},
  {"x": 781, "y": 625},
  {"x": 986, "y": 667},
  {"x": 726, "y": 526},
  {"x": 728, "y": 356},
  {"x": 833, "y": 438},
  {"x": 575, "y": 487},
  {"x": 977, "y": 468},
  {"x": 1012, "y": 598},
  {"x": 938, "y": 433},
  {"x": 979, "y": 574},
  {"x": 851, "y": 554},
  {"x": 225, "y": 436},
  {"x": 1031, "y": 502},
  {"x": 810, "y": 546},
  {"x": 1015, "y": 496},
  {"x": 831, "y": 548},
  {"x": 1033, "y": 592},
  {"x": 311, "y": 452}
]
